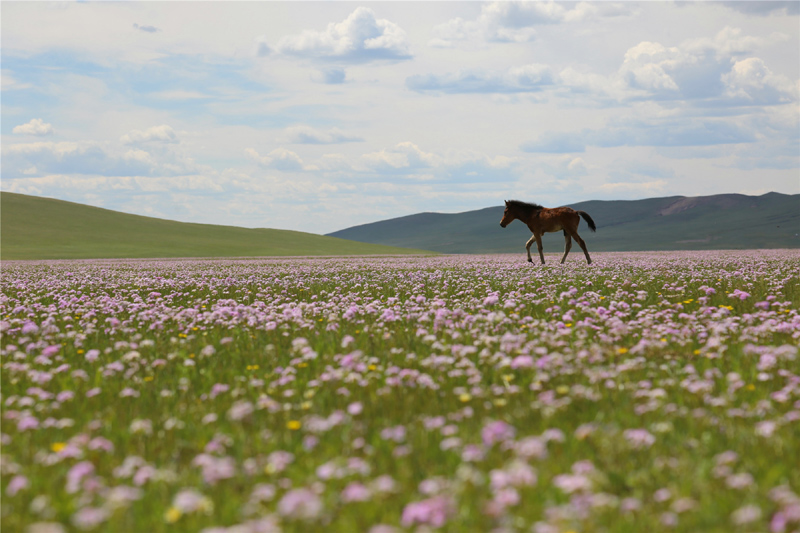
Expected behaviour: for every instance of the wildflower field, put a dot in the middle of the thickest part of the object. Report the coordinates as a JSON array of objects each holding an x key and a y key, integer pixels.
[{"x": 646, "y": 392}]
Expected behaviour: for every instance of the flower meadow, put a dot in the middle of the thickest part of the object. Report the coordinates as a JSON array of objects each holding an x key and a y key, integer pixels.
[{"x": 646, "y": 392}]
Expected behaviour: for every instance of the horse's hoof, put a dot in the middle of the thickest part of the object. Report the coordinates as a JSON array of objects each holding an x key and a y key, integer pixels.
[{"x": 530, "y": 260}]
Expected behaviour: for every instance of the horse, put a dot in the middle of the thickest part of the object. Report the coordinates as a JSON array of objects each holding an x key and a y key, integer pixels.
[{"x": 541, "y": 220}]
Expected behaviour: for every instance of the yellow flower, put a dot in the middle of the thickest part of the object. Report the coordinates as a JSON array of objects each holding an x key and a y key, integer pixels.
[
  {"x": 465, "y": 397},
  {"x": 172, "y": 515},
  {"x": 697, "y": 351},
  {"x": 294, "y": 425},
  {"x": 302, "y": 365},
  {"x": 305, "y": 405},
  {"x": 58, "y": 446},
  {"x": 500, "y": 402},
  {"x": 148, "y": 378},
  {"x": 622, "y": 351},
  {"x": 751, "y": 387},
  {"x": 372, "y": 367},
  {"x": 562, "y": 389}
]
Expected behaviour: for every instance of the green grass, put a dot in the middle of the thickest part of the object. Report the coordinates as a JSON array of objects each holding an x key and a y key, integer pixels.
[{"x": 43, "y": 228}]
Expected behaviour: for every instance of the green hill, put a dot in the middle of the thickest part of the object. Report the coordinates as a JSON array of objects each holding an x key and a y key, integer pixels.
[
  {"x": 43, "y": 228},
  {"x": 725, "y": 221}
]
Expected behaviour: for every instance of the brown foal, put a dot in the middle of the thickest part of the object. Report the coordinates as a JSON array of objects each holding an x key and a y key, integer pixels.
[{"x": 541, "y": 220}]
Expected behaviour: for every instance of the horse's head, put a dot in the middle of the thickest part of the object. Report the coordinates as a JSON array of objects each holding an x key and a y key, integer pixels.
[{"x": 508, "y": 216}]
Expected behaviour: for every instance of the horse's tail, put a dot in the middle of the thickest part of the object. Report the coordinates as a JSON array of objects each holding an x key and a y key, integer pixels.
[{"x": 588, "y": 220}]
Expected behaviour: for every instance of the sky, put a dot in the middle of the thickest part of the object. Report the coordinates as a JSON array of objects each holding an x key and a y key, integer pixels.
[{"x": 318, "y": 116}]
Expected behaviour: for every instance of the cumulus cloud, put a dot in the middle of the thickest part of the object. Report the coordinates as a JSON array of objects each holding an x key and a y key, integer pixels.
[
  {"x": 73, "y": 158},
  {"x": 716, "y": 71},
  {"x": 647, "y": 187},
  {"x": 36, "y": 127},
  {"x": 280, "y": 159},
  {"x": 751, "y": 81},
  {"x": 408, "y": 160},
  {"x": 523, "y": 79},
  {"x": 504, "y": 21},
  {"x": 764, "y": 7},
  {"x": 156, "y": 134},
  {"x": 684, "y": 132},
  {"x": 708, "y": 69},
  {"x": 360, "y": 38},
  {"x": 309, "y": 135},
  {"x": 403, "y": 155}
]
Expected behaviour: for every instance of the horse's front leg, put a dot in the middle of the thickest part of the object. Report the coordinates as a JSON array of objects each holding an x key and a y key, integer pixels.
[
  {"x": 539, "y": 246},
  {"x": 528, "y": 248}
]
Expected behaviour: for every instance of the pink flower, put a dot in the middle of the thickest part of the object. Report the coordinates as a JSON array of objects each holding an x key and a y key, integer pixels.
[
  {"x": 355, "y": 492},
  {"x": 639, "y": 438},
  {"x": 302, "y": 504},
  {"x": 497, "y": 431},
  {"x": 76, "y": 474},
  {"x": 434, "y": 512},
  {"x": 17, "y": 484}
]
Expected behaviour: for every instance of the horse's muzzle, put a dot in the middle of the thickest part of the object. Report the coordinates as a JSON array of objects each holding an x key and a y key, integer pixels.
[{"x": 501, "y": 225}]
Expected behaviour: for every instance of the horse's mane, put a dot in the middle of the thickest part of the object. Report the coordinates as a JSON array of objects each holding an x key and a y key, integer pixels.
[{"x": 525, "y": 207}]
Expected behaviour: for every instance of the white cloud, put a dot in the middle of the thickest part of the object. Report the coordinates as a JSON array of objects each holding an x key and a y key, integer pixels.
[
  {"x": 70, "y": 158},
  {"x": 751, "y": 81},
  {"x": 158, "y": 134},
  {"x": 645, "y": 66},
  {"x": 309, "y": 135},
  {"x": 731, "y": 41},
  {"x": 706, "y": 69},
  {"x": 280, "y": 159},
  {"x": 360, "y": 38},
  {"x": 23, "y": 160},
  {"x": 36, "y": 127},
  {"x": 516, "y": 22},
  {"x": 403, "y": 155},
  {"x": 647, "y": 188},
  {"x": 522, "y": 79}
]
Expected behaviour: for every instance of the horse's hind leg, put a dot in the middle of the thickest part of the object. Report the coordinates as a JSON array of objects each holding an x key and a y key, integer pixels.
[
  {"x": 528, "y": 248},
  {"x": 567, "y": 246},
  {"x": 582, "y": 245}
]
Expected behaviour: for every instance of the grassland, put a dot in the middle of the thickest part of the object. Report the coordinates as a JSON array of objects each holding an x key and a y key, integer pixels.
[
  {"x": 646, "y": 392},
  {"x": 43, "y": 228}
]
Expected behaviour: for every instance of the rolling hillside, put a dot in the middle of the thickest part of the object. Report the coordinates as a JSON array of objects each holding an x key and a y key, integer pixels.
[
  {"x": 725, "y": 221},
  {"x": 43, "y": 228}
]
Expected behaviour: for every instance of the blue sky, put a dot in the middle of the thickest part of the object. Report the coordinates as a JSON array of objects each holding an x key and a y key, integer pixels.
[{"x": 319, "y": 116}]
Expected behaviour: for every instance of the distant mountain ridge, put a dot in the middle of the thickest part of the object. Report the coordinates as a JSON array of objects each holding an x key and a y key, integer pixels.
[
  {"x": 723, "y": 221},
  {"x": 43, "y": 228}
]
